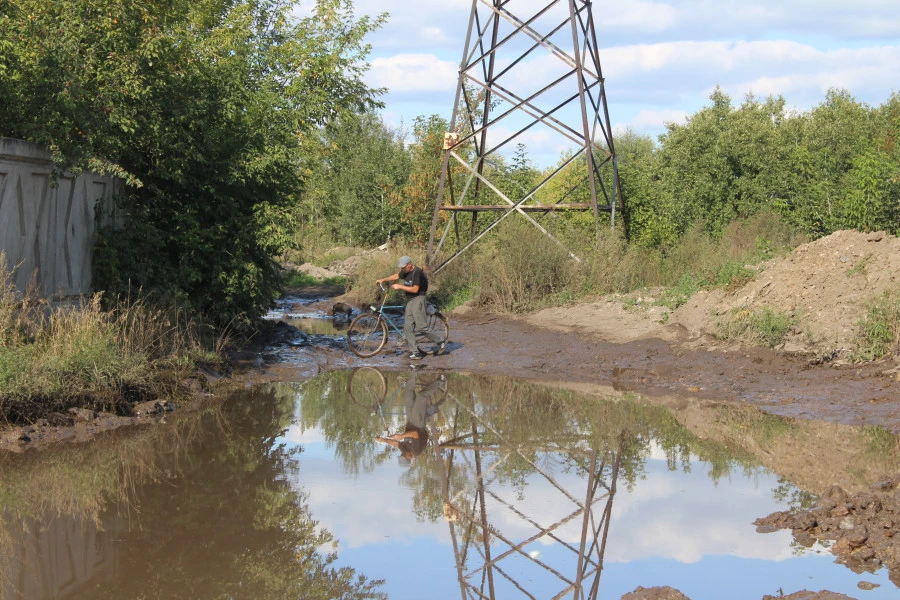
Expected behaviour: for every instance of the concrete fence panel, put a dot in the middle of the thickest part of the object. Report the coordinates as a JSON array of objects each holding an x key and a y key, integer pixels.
[{"x": 47, "y": 227}]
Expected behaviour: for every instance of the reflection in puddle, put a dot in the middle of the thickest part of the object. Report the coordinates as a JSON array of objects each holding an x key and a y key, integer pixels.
[
  {"x": 303, "y": 314},
  {"x": 319, "y": 325},
  {"x": 439, "y": 484},
  {"x": 522, "y": 491}
]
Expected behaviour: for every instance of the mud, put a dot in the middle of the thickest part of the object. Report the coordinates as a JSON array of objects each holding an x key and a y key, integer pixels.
[{"x": 862, "y": 527}]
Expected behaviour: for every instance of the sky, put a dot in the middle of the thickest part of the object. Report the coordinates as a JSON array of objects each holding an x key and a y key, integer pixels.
[
  {"x": 677, "y": 528},
  {"x": 663, "y": 59}
]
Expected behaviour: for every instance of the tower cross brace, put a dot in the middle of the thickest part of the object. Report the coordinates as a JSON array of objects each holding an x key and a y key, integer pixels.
[{"x": 520, "y": 76}]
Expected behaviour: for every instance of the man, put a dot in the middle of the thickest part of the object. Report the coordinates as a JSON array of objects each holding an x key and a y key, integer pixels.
[
  {"x": 420, "y": 405},
  {"x": 415, "y": 284}
]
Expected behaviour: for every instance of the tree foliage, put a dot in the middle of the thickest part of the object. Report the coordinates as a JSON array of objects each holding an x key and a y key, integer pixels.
[
  {"x": 833, "y": 167},
  {"x": 352, "y": 189},
  {"x": 209, "y": 110}
]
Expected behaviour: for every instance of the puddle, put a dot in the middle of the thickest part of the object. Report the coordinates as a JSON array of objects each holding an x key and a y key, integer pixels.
[
  {"x": 309, "y": 315},
  {"x": 489, "y": 488}
]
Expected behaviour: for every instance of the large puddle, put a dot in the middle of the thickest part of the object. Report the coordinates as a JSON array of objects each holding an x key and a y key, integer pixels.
[{"x": 428, "y": 484}]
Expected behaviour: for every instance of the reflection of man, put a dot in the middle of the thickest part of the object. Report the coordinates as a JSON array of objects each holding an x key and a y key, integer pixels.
[{"x": 420, "y": 404}]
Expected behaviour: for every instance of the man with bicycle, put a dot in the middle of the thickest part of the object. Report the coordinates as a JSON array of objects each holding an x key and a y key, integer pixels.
[{"x": 415, "y": 283}]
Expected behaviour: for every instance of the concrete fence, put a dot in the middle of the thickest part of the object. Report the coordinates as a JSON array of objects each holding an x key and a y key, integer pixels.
[{"x": 47, "y": 228}]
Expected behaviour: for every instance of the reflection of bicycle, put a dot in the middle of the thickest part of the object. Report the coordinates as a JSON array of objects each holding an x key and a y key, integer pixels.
[
  {"x": 367, "y": 387},
  {"x": 368, "y": 332}
]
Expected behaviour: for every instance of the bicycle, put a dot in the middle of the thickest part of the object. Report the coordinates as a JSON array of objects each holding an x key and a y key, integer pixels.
[
  {"x": 369, "y": 331},
  {"x": 367, "y": 388}
]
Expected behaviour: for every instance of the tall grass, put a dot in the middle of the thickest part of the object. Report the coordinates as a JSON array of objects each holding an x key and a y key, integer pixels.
[
  {"x": 54, "y": 357},
  {"x": 762, "y": 326},
  {"x": 520, "y": 269}
]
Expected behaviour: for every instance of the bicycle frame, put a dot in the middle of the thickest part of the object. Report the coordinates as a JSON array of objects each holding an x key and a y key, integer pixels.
[
  {"x": 381, "y": 310},
  {"x": 384, "y": 317}
]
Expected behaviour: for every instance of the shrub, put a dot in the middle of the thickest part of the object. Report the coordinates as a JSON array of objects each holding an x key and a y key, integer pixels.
[{"x": 526, "y": 267}]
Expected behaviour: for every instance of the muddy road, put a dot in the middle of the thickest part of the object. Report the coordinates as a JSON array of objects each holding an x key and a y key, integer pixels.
[{"x": 674, "y": 366}]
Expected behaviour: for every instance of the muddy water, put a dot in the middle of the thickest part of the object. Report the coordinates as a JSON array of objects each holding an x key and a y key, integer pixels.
[{"x": 423, "y": 483}]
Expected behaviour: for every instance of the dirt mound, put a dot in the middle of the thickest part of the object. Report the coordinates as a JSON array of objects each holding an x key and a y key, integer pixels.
[
  {"x": 860, "y": 526},
  {"x": 347, "y": 267},
  {"x": 824, "y": 286},
  {"x": 313, "y": 271}
]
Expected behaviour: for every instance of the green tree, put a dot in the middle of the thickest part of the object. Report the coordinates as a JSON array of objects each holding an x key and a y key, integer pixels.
[
  {"x": 209, "y": 111},
  {"x": 420, "y": 192},
  {"x": 350, "y": 197}
]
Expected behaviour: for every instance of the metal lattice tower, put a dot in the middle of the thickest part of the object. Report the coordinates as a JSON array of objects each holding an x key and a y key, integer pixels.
[
  {"x": 491, "y": 563},
  {"x": 534, "y": 77}
]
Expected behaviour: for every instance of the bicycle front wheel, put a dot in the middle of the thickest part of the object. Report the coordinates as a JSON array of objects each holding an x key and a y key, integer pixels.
[
  {"x": 367, "y": 387},
  {"x": 367, "y": 335}
]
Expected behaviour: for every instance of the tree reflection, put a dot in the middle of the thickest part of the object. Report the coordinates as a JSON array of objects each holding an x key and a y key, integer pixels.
[
  {"x": 223, "y": 520},
  {"x": 494, "y": 433}
]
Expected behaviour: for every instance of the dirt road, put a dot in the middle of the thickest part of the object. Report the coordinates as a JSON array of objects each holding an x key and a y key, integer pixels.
[{"x": 672, "y": 365}]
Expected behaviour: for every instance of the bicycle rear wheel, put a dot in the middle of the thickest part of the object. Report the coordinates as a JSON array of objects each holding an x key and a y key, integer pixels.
[
  {"x": 438, "y": 324},
  {"x": 367, "y": 387},
  {"x": 367, "y": 335}
]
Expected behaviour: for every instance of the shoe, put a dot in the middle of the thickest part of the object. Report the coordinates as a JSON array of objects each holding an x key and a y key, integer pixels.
[
  {"x": 416, "y": 356},
  {"x": 440, "y": 348}
]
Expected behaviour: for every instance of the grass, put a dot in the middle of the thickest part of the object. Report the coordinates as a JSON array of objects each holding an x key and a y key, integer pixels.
[
  {"x": 681, "y": 292},
  {"x": 762, "y": 326},
  {"x": 879, "y": 330},
  {"x": 518, "y": 269},
  {"x": 55, "y": 357},
  {"x": 860, "y": 267},
  {"x": 297, "y": 279}
]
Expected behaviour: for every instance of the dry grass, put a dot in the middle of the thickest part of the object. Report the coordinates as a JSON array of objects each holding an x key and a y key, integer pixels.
[{"x": 56, "y": 357}]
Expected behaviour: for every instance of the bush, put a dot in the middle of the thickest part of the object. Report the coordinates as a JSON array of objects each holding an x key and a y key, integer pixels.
[{"x": 521, "y": 270}]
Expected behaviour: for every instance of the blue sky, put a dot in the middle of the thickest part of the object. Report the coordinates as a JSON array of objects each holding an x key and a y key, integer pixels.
[{"x": 661, "y": 59}]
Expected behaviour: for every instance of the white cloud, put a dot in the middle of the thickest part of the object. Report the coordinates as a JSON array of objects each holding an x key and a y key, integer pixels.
[
  {"x": 660, "y": 58},
  {"x": 673, "y": 515},
  {"x": 645, "y": 16},
  {"x": 404, "y": 73},
  {"x": 651, "y": 120}
]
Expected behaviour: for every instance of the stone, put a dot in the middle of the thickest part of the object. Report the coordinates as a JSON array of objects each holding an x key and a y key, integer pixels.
[
  {"x": 655, "y": 593},
  {"x": 835, "y": 493},
  {"x": 867, "y": 585},
  {"x": 83, "y": 414},
  {"x": 858, "y": 536}
]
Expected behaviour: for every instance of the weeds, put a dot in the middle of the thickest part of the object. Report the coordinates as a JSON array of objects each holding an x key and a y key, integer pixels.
[
  {"x": 860, "y": 267},
  {"x": 763, "y": 326},
  {"x": 879, "y": 329},
  {"x": 523, "y": 271},
  {"x": 679, "y": 294},
  {"x": 520, "y": 269},
  {"x": 56, "y": 357}
]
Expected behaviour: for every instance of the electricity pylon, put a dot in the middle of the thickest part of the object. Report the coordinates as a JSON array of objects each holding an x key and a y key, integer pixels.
[{"x": 534, "y": 77}]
